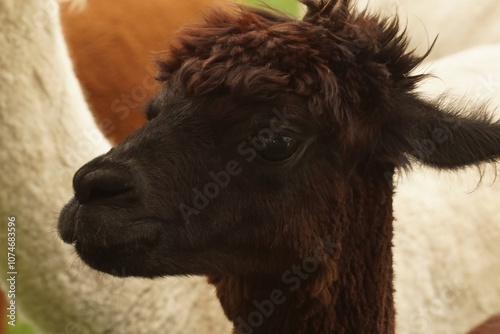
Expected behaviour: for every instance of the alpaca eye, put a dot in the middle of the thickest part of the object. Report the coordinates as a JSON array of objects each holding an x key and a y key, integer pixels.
[
  {"x": 150, "y": 112},
  {"x": 277, "y": 147}
]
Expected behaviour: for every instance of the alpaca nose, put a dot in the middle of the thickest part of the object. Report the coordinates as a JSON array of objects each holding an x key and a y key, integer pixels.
[{"x": 102, "y": 184}]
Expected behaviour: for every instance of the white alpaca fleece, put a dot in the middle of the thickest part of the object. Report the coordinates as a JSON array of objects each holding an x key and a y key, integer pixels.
[
  {"x": 460, "y": 24},
  {"x": 46, "y": 134},
  {"x": 447, "y": 232}
]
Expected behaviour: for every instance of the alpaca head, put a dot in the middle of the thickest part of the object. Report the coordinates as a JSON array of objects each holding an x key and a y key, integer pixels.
[{"x": 269, "y": 136}]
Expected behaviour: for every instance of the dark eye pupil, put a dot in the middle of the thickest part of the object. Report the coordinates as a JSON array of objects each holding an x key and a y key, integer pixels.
[{"x": 278, "y": 147}]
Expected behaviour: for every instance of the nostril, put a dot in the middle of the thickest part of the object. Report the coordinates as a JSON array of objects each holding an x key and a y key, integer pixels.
[
  {"x": 102, "y": 192},
  {"x": 99, "y": 185}
]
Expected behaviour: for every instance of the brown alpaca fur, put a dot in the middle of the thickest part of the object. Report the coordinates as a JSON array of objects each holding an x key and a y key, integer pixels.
[
  {"x": 318, "y": 300},
  {"x": 491, "y": 326},
  {"x": 112, "y": 51},
  {"x": 299, "y": 239}
]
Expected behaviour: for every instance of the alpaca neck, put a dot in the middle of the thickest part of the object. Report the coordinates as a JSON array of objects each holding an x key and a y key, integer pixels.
[{"x": 349, "y": 291}]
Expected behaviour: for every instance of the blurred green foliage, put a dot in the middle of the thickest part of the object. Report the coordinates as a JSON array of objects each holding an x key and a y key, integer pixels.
[
  {"x": 289, "y": 6},
  {"x": 20, "y": 328}
]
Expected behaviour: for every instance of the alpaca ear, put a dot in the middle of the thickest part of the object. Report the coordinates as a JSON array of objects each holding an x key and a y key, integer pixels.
[{"x": 442, "y": 135}]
